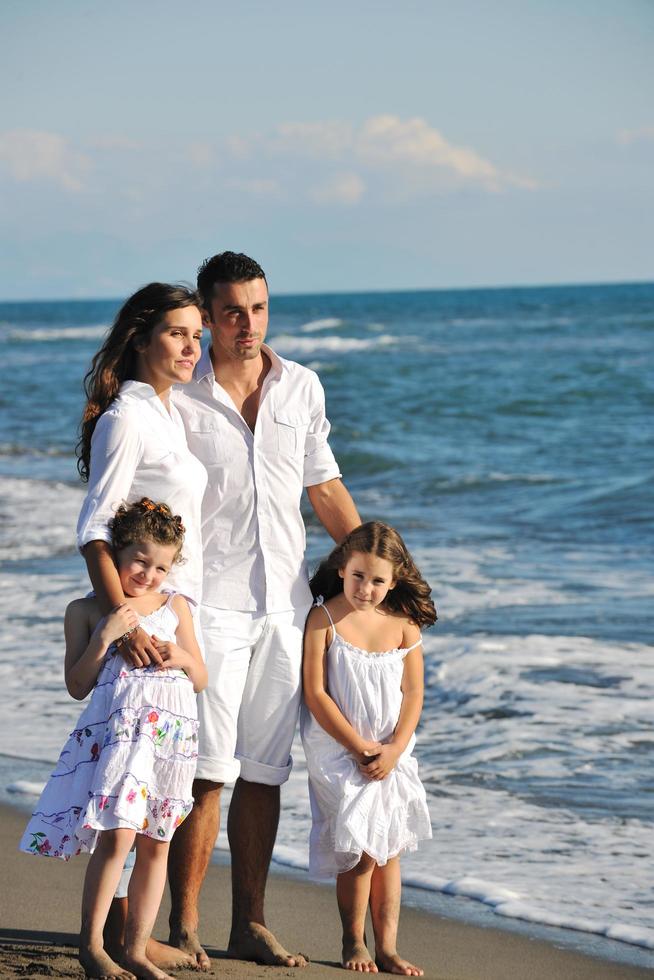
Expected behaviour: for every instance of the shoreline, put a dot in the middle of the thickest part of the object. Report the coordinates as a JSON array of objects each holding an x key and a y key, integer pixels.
[{"x": 40, "y": 920}]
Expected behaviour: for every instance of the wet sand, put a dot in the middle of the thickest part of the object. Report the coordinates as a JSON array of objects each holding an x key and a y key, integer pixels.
[{"x": 39, "y": 919}]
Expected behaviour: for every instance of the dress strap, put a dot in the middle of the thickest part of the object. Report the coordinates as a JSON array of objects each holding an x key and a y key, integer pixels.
[
  {"x": 413, "y": 645},
  {"x": 320, "y": 602}
]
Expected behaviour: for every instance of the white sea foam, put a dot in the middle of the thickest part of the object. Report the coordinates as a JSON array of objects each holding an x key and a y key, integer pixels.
[
  {"x": 288, "y": 344},
  {"x": 328, "y": 323},
  {"x": 526, "y": 745},
  {"x": 23, "y": 787},
  {"x": 38, "y": 334},
  {"x": 37, "y": 517}
]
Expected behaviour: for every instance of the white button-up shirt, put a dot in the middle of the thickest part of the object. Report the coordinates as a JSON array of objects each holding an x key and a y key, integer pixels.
[
  {"x": 252, "y": 528},
  {"x": 138, "y": 449}
]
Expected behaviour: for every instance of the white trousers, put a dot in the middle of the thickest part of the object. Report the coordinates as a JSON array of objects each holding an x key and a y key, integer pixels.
[{"x": 248, "y": 711}]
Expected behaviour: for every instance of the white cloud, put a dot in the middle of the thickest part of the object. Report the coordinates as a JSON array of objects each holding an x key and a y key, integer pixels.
[
  {"x": 31, "y": 155},
  {"x": 407, "y": 149},
  {"x": 323, "y": 140},
  {"x": 386, "y": 139},
  {"x": 346, "y": 188},
  {"x": 643, "y": 134}
]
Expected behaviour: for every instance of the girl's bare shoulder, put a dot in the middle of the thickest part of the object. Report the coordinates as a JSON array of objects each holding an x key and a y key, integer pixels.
[
  {"x": 317, "y": 618},
  {"x": 86, "y": 609},
  {"x": 410, "y": 630}
]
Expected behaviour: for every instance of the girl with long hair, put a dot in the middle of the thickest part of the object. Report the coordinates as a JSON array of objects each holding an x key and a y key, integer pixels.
[{"x": 363, "y": 691}]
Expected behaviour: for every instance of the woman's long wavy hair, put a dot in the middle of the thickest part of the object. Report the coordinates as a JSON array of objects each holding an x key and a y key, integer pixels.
[
  {"x": 116, "y": 361},
  {"x": 411, "y": 595}
]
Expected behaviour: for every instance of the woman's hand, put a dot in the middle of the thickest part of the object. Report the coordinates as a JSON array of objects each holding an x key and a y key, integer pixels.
[
  {"x": 139, "y": 649},
  {"x": 383, "y": 763},
  {"x": 118, "y": 622}
]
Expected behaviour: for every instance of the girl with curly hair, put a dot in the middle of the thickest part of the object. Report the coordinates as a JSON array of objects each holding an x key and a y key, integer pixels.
[{"x": 124, "y": 776}]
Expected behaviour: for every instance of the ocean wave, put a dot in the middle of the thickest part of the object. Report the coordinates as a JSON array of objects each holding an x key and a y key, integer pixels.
[
  {"x": 327, "y": 323},
  {"x": 14, "y": 449},
  {"x": 49, "y": 334},
  {"x": 287, "y": 344},
  {"x": 25, "y": 787},
  {"x": 483, "y": 481},
  {"x": 37, "y": 518}
]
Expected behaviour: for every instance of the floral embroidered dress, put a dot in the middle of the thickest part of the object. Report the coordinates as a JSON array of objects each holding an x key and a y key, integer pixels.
[
  {"x": 130, "y": 761},
  {"x": 351, "y": 813}
]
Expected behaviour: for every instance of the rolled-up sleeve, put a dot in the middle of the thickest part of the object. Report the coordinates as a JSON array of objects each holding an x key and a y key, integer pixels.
[
  {"x": 116, "y": 448},
  {"x": 319, "y": 462}
]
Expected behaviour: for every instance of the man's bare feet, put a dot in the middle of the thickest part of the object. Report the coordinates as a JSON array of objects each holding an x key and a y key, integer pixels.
[
  {"x": 98, "y": 965},
  {"x": 189, "y": 942},
  {"x": 168, "y": 957},
  {"x": 257, "y": 943},
  {"x": 393, "y": 963},
  {"x": 144, "y": 969},
  {"x": 356, "y": 957}
]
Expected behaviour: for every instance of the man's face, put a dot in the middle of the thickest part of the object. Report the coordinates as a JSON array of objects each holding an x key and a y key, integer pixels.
[{"x": 238, "y": 319}]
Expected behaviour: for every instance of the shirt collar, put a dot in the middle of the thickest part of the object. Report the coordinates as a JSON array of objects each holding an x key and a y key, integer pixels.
[
  {"x": 141, "y": 391},
  {"x": 204, "y": 367},
  {"x": 138, "y": 389}
]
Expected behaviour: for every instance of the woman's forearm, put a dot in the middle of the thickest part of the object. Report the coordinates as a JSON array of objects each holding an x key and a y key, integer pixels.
[{"x": 104, "y": 575}]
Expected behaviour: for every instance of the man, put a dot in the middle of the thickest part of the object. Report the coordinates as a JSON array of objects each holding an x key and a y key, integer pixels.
[{"x": 257, "y": 422}]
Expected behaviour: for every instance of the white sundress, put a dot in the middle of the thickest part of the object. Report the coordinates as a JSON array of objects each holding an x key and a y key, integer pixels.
[
  {"x": 129, "y": 762},
  {"x": 351, "y": 813}
]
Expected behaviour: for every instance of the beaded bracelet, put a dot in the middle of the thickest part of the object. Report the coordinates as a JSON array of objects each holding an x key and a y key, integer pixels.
[{"x": 125, "y": 636}]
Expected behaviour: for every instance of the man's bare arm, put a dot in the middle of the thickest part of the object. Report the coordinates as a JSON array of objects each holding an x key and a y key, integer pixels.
[{"x": 334, "y": 508}]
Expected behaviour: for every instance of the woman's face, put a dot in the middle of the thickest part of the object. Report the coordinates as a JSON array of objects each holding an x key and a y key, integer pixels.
[{"x": 172, "y": 350}]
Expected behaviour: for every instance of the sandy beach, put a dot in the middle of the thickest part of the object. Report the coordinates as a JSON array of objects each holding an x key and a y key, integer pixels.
[{"x": 40, "y": 917}]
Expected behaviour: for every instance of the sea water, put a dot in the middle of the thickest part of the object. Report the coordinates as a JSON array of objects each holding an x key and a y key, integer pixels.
[{"x": 507, "y": 434}]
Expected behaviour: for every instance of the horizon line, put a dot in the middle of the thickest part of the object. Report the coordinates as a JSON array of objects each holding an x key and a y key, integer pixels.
[{"x": 362, "y": 292}]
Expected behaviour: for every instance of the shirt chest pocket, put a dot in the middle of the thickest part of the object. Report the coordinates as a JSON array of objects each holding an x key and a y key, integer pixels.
[
  {"x": 209, "y": 443},
  {"x": 290, "y": 432}
]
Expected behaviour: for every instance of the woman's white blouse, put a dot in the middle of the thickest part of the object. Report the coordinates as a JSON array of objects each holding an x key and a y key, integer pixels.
[{"x": 139, "y": 450}]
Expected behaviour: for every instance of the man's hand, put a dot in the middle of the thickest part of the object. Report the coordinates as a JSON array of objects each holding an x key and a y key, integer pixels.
[
  {"x": 139, "y": 650},
  {"x": 382, "y": 764}
]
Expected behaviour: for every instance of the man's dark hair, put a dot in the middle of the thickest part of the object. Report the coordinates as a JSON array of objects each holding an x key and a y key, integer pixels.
[{"x": 226, "y": 267}]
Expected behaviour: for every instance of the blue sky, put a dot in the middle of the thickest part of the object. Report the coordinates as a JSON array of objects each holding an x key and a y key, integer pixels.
[{"x": 345, "y": 145}]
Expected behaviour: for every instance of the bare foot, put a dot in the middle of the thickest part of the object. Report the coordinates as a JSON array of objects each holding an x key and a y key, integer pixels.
[
  {"x": 356, "y": 957},
  {"x": 168, "y": 958},
  {"x": 144, "y": 968},
  {"x": 393, "y": 963},
  {"x": 255, "y": 942},
  {"x": 98, "y": 965},
  {"x": 188, "y": 941}
]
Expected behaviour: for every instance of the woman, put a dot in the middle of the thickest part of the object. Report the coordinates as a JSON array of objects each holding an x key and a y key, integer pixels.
[
  {"x": 132, "y": 441},
  {"x": 132, "y": 445}
]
